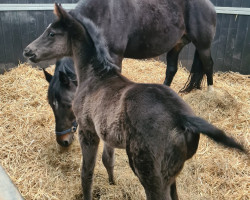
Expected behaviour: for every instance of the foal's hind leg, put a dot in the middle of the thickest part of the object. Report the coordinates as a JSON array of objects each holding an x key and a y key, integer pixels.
[
  {"x": 89, "y": 145},
  {"x": 172, "y": 60},
  {"x": 108, "y": 161},
  {"x": 173, "y": 191},
  {"x": 146, "y": 168}
]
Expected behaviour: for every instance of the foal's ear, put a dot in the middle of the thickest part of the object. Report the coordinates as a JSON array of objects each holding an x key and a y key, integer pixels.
[
  {"x": 60, "y": 12},
  {"x": 64, "y": 79},
  {"x": 48, "y": 76}
]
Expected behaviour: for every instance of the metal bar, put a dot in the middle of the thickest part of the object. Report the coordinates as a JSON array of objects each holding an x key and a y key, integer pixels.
[
  {"x": 233, "y": 10},
  {"x": 27, "y": 7},
  {"x": 68, "y": 6}
]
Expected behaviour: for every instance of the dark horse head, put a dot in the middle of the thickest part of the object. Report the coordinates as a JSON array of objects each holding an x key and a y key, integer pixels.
[{"x": 62, "y": 87}]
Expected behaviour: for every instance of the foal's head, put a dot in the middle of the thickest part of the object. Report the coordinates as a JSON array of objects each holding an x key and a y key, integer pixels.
[
  {"x": 62, "y": 87},
  {"x": 55, "y": 42}
]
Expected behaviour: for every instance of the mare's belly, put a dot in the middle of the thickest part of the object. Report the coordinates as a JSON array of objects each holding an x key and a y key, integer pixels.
[{"x": 150, "y": 44}]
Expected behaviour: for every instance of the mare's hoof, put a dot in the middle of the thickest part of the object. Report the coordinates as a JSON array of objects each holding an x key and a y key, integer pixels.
[{"x": 210, "y": 88}]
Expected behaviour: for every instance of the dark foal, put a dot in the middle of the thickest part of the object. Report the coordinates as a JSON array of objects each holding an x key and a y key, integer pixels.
[
  {"x": 144, "y": 29},
  {"x": 62, "y": 87},
  {"x": 156, "y": 127}
]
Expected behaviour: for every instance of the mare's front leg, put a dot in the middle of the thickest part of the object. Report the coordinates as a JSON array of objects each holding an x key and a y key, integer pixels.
[
  {"x": 172, "y": 60},
  {"x": 89, "y": 142},
  {"x": 108, "y": 161}
]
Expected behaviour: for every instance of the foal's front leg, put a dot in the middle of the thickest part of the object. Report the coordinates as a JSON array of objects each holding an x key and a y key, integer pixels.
[
  {"x": 108, "y": 162},
  {"x": 89, "y": 144}
]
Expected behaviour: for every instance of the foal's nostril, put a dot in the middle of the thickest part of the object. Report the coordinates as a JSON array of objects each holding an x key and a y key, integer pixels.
[
  {"x": 28, "y": 53},
  {"x": 65, "y": 143}
]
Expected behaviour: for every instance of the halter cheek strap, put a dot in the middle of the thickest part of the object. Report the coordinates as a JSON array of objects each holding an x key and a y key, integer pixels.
[{"x": 70, "y": 130}]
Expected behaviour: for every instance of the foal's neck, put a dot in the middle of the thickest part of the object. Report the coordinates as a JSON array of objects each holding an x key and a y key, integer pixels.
[
  {"x": 91, "y": 56},
  {"x": 91, "y": 69},
  {"x": 82, "y": 54}
]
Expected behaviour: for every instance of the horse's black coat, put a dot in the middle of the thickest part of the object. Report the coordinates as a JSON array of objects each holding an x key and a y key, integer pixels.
[
  {"x": 149, "y": 28},
  {"x": 156, "y": 127},
  {"x": 62, "y": 87}
]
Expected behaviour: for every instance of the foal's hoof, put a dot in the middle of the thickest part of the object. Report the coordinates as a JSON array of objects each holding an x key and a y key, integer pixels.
[{"x": 112, "y": 182}]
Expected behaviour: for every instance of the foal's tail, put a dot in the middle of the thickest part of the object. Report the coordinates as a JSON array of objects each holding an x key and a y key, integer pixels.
[{"x": 199, "y": 125}]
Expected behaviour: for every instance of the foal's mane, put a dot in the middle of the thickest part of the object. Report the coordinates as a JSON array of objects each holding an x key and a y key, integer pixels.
[
  {"x": 66, "y": 65},
  {"x": 102, "y": 60}
]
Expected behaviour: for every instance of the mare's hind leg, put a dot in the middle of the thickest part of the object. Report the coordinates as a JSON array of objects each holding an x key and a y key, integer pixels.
[
  {"x": 207, "y": 63},
  {"x": 202, "y": 64},
  {"x": 108, "y": 161},
  {"x": 89, "y": 145},
  {"x": 172, "y": 60},
  {"x": 196, "y": 75}
]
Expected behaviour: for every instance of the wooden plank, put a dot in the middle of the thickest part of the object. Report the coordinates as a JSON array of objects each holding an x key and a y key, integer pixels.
[
  {"x": 236, "y": 3},
  {"x": 8, "y": 190},
  {"x": 230, "y": 42},
  {"x": 16, "y": 32},
  {"x": 32, "y": 29},
  {"x": 222, "y": 43},
  {"x": 228, "y": 52},
  {"x": 216, "y": 42},
  {"x": 239, "y": 43},
  {"x": 7, "y": 42},
  {"x": 231, "y": 38},
  {"x": 2, "y": 49},
  {"x": 24, "y": 19},
  {"x": 245, "y": 61},
  {"x": 219, "y": 3}
]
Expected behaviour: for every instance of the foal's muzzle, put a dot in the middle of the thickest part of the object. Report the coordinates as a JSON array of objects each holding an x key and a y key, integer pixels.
[{"x": 29, "y": 54}]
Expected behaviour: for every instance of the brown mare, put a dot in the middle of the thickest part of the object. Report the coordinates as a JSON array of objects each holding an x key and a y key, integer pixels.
[
  {"x": 148, "y": 28},
  {"x": 156, "y": 127}
]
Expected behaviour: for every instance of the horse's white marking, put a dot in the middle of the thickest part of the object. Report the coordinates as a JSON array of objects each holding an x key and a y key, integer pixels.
[
  {"x": 210, "y": 88},
  {"x": 55, "y": 103},
  {"x": 49, "y": 25}
]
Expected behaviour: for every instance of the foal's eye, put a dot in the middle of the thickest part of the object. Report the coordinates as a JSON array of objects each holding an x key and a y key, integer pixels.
[{"x": 51, "y": 34}]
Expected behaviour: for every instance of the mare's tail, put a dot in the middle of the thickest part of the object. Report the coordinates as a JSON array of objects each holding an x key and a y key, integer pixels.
[
  {"x": 196, "y": 75},
  {"x": 199, "y": 125}
]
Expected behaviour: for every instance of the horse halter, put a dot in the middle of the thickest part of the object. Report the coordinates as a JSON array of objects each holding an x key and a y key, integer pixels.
[{"x": 70, "y": 130}]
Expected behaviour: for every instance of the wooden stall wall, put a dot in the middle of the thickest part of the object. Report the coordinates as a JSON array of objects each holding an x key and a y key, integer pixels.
[{"x": 230, "y": 48}]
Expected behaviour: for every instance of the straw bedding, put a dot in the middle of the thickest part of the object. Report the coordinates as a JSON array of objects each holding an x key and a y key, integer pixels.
[{"x": 42, "y": 169}]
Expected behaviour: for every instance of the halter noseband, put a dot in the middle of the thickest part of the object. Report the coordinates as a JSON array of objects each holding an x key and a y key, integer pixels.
[{"x": 70, "y": 130}]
